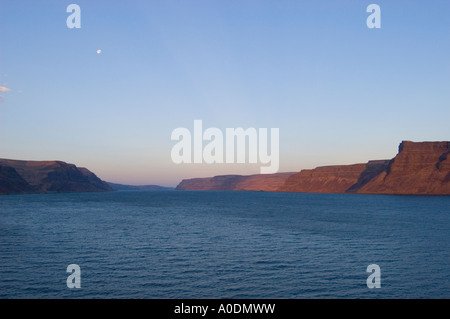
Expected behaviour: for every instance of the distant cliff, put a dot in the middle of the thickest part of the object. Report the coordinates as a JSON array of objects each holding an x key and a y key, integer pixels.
[
  {"x": 258, "y": 182},
  {"x": 326, "y": 179},
  {"x": 419, "y": 168},
  {"x": 19, "y": 177}
]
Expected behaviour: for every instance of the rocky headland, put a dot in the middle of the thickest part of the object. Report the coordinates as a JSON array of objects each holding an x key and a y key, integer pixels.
[{"x": 22, "y": 177}]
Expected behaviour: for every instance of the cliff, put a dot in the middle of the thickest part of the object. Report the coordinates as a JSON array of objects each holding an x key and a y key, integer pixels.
[
  {"x": 258, "y": 182},
  {"x": 18, "y": 177},
  {"x": 419, "y": 168},
  {"x": 12, "y": 183},
  {"x": 326, "y": 179}
]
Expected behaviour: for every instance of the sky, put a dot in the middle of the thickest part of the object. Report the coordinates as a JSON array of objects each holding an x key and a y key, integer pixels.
[{"x": 339, "y": 92}]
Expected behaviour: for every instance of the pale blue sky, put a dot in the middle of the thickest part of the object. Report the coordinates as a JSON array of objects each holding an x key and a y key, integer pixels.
[{"x": 339, "y": 92}]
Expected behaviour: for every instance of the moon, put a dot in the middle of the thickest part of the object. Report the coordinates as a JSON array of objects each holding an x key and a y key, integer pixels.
[{"x": 99, "y": 51}]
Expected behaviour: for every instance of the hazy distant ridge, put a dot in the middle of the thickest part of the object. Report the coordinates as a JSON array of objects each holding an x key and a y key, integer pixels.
[{"x": 122, "y": 187}]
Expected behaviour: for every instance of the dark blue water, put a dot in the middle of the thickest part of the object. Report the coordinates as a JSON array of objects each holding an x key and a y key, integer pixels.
[{"x": 224, "y": 245}]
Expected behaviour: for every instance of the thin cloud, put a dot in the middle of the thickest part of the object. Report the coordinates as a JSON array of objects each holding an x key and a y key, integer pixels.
[{"x": 4, "y": 89}]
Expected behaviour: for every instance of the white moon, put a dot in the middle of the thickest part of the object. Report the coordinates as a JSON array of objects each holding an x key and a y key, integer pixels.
[{"x": 99, "y": 51}]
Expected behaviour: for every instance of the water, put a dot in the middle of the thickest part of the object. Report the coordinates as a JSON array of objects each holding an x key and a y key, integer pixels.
[{"x": 224, "y": 245}]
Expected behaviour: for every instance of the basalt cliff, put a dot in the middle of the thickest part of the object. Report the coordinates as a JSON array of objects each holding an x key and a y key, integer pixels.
[
  {"x": 419, "y": 168},
  {"x": 22, "y": 177},
  {"x": 258, "y": 182}
]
